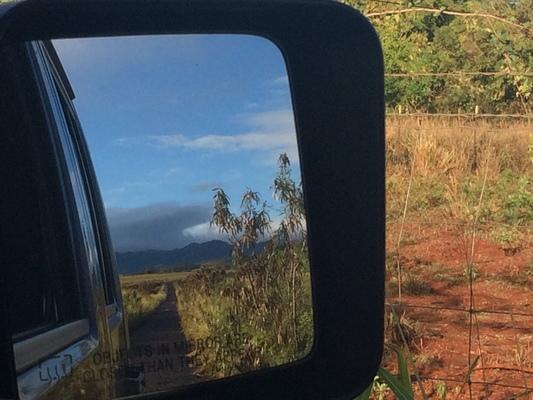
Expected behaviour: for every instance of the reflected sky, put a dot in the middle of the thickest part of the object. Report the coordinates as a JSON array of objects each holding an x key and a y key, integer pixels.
[{"x": 168, "y": 118}]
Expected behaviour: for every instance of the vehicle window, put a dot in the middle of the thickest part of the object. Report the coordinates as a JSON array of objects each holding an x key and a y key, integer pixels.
[
  {"x": 43, "y": 279},
  {"x": 90, "y": 194},
  {"x": 75, "y": 170},
  {"x": 51, "y": 262},
  {"x": 42, "y": 285}
]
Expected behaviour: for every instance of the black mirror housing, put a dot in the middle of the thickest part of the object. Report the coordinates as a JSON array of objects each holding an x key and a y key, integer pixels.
[{"x": 335, "y": 69}]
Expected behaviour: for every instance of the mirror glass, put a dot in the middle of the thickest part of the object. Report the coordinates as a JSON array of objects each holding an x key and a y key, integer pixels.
[{"x": 193, "y": 142}]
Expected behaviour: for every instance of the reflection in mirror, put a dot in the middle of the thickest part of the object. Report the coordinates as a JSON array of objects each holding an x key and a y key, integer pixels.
[{"x": 193, "y": 142}]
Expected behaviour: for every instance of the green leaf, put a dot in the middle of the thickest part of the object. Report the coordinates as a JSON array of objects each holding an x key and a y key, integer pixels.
[
  {"x": 401, "y": 391},
  {"x": 404, "y": 377},
  {"x": 366, "y": 394}
]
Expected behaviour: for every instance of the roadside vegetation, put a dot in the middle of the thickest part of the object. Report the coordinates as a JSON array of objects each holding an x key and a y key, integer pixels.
[
  {"x": 426, "y": 42},
  {"x": 141, "y": 299},
  {"x": 258, "y": 312}
]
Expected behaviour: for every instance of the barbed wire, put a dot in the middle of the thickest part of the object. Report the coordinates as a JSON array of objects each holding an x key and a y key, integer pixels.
[
  {"x": 456, "y": 74},
  {"x": 463, "y": 310},
  {"x": 447, "y": 379},
  {"x": 460, "y": 115},
  {"x": 445, "y": 11}
]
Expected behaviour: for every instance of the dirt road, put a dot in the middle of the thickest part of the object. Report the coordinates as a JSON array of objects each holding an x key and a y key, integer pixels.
[{"x": 158, "y": 345}]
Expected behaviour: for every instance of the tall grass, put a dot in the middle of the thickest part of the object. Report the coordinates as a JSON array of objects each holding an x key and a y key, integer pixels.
[{"x": 450, "y": 159}]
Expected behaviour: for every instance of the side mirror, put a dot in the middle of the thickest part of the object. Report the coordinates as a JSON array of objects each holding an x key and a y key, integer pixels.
[{"x": 335, "y": 69}]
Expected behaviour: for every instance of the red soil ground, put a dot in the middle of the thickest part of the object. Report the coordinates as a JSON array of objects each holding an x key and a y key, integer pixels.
[{"x": 433, "y": 260}]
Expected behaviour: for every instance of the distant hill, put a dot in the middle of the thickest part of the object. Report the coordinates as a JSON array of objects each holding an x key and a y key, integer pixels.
[{"x": 184, "y": 259}]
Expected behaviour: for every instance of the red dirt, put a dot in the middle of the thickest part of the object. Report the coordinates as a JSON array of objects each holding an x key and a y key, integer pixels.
[{"x": 502, "y": 326}]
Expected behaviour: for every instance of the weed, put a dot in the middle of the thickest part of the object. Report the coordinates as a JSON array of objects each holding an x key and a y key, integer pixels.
[
  {"x": 471, "y": 272},
  {"x": 518, "y": 205},
  {"x": 423, "y": 360},
  {"x": 380, "y": 389},
  {"x": 384, "y": 382},
  {"x": 441, "y": 388},
  {"x": 416, "y": 286},
  {"x": 265, "y": 297},
  {"x": 395, "y": 327},
  {"x": 509, "y": 237},
  {"x": 451, "y": 280},
  {"x": 529, "y": 269}
]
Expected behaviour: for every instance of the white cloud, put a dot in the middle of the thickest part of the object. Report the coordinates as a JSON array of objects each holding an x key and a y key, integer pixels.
[
  {"x": 270, "y": 120},
  {"x": 271, "y": 132},
  {"x": 225, "y": 143},
  {"x": 173, "y": 171},
  {"x": 202, "y": 232}
]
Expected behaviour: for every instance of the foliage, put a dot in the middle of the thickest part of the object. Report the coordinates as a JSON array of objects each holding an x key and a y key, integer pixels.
[
  {"x": 471, "y": 273},
  {"x": 507, "y": 236},
  {"x": 265, "y": 297},
  {"x": 442, "y": 390},
  {"x": 529, "y": 270},
  {"x": 400, "y": 385},
  {"x": 416, "y": 286},
  {"x": 436, "y": 42},
  {"x": 518, "y": 205}
]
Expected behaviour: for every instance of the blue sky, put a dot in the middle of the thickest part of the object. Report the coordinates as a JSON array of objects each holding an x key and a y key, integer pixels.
[{"x": 168, "y": 118}]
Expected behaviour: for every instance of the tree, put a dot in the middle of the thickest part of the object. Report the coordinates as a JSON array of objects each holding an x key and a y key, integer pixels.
[{"x": 443, "y": 36}]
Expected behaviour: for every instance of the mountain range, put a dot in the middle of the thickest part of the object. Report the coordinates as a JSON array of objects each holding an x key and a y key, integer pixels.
[{"x": 182, "y": 259}]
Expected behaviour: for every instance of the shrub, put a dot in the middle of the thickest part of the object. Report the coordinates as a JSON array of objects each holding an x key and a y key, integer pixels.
[
  {"x": 416, "y": 286},
  {"x": 264, "y": 298}
]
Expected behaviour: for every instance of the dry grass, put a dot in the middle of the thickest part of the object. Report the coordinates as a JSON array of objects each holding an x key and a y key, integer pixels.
[
  {"x": 127, "y": 280},
  {"x": 449, "y": 159},
  {"x": 455, "y": 147}
]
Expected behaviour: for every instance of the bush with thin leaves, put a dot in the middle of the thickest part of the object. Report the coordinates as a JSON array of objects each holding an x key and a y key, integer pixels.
[{"x": 264, "y": 298}]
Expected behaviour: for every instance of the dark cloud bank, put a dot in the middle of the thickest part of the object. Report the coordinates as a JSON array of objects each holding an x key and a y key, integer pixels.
[{"x": 157, "y": 226}]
